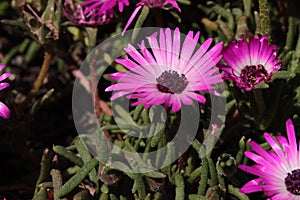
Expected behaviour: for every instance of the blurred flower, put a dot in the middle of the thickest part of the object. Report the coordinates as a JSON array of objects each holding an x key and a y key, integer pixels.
[
  {"x": 4, "y": 111},
  {"x": 278, "y": 170},
  {"x": 164, "y": 4},
  {"x": 92, "y": 12},
  {"x": 168, "y": 75},
  {"x": 250, "y": 63},
  {"x": 105, "y": 6}
]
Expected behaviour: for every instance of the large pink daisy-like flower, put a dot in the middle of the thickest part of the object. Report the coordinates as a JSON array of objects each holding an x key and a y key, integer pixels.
[
  {"x": 170, "y": 74},
  {"x": 250, "y": 62},
  {"x": 4, "y": 111},
  {"x": 164, "y": 4},
  {"x": 278, "y": 169}
]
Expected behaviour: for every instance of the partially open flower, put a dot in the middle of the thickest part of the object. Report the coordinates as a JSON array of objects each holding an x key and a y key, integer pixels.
[
  {"x": 250, "y": 62},
  {"x": 278, "y": 169},
  {"x": 168, "y": 74},
  {"x": 92, "y": 12},
  {"x": 4, "y": 111}
]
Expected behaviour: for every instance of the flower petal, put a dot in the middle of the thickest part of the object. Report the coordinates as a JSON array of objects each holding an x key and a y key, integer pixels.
[{"x": 4, "y": 111}]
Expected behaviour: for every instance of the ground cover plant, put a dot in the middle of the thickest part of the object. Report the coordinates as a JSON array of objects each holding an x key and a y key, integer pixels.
[{"x": 149, "y": 99}]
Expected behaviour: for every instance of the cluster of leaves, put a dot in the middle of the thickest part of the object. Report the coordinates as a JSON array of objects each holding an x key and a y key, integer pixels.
[{"x": 43, "y": 37}]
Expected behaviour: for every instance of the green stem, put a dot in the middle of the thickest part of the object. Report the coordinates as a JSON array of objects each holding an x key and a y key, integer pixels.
[
  {"x": 235, "y": 191},
  {"x": 57, "y": 182},
  {"x": 240, "y": 154},
  {"x": 43, "y": 72},
  {"x": 213, "y": 172},
  {"x": 75, "y": 180},
  {"x": 272, "y": 108},
  {"x": 204, "y": 177},
  {"x": 86, "y": 156},
  {"x": 68, "y": 155},
  {"x": 247, "y": 7},
  {"x": 257, "y": 23},
  {"x": 290, "y": 35},
  {"x": 264, "y": 14},
  {"x": 179, "y": 191},
  {"x": 259, "y": 100},
  {"x": 45, "y": 168}
]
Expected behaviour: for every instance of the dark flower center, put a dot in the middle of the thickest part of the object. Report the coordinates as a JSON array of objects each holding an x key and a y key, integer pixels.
[
  {"x": 292, "y": 182},
  {"x": 171, "y": 82},
  {"x": 253, "y": 74}
]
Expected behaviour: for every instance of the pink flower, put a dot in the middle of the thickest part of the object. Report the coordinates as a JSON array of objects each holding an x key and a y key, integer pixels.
[
  {"x": 105, "y": 6},
  {"x": 92, "y": 12},
  {"x": 164, "y": 4},
  {"x": 170, "y": 74},
  {"x": 4, "y": 111},
  {"x": 278, "y": 169},
  {"x": 250, "y": 62}
]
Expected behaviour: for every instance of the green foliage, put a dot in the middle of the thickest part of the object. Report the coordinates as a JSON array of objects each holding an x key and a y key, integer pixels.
[{"x": 75, "y": 169}]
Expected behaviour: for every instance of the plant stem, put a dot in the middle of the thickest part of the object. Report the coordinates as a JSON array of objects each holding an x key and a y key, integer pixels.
[
  {"x": 258, "y": 96},
  {"x": 264, "y": 14},
  {"x": 43, "y": 72}
]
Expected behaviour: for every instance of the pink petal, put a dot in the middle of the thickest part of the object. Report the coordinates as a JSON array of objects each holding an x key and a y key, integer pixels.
[
  {"x": 2, "y": 67},
  {"x": 156, "y": 50},
  {"x": 4, "y": 76},
  {"x": 291, "y": 135},
  {"x": 292, "y": 141},
  {"x": 175, "y": 102},
  {"x": 176, "y": 48},
  {"x": 169, "y": 50},
  {"x": 254, "y": 48},
  {"x": 274, "y": 146},
  {"x": 116, "y": 76},
  {"x": 3, "y": 85},
  {"x": 131, "y": 19},
  {"x": 162, "y": 48},
  {"x": 251, "y": 170},
  {"x": 4, "y": 111},
  {"x": 252, "y": 186},
  {"x": 187, "y": 50},
  {"x": 259, "y": 150},
  {"x": 199, "y": 98},
  {"x": 201, "y": 51}
]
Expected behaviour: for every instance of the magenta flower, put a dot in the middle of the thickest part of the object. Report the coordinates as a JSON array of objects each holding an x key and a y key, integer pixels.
[
  {"x": 104, "y": 7},
  {"x": 4, "y": 111},
  {"x": 250, "y": 62},
  {"x": 164, "y": 4},
  {"x": 168, "y": 75},
  {"x": 278, "y": 169},
  {"x": 92, "y": 12}
]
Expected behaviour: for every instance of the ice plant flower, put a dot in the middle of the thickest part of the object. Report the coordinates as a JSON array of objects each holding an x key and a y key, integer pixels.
[
  {"x": 170, "y": 74},
  {"x": 92, "y": 12},
  {"x": 104, "y": 7},
  {"x": 4, "y": 111},
  {"x": 164, "y": 4},
  {"x": 278, "y": 169},
  {"x": 250, "y": 62}
]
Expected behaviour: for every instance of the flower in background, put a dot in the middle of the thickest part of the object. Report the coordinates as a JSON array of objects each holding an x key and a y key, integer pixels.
[
  {"x": 92, "y": 12},
  {"x": 164, "y": 4},
  {"x": 278, "y": 170},
  {"x": 250, "y": 63},
  {"x": 104, "y": 7},
  {"x": 4, "y": 111},
  {"x": 171, "y": 75}
]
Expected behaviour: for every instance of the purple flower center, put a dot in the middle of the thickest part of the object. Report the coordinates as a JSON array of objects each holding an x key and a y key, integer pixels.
[
  {"x": 171, "y": 82},
  {"x": 251, "y": 75},
  {"x": 292, "y": 182}
]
